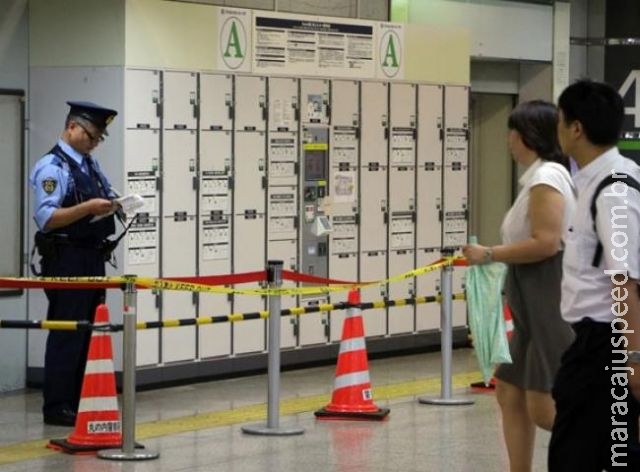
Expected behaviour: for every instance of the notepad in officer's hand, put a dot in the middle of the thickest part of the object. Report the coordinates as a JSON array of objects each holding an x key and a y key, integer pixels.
[{"x": 128, "y": 203}]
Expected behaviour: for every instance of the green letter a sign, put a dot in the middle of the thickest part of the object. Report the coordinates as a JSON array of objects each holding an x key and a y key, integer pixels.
[
  {"x": 390, "y": 54},
  {"x": 233, "y": 41}
]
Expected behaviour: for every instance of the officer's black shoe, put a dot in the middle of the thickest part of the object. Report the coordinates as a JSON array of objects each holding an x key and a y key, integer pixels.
[{"x": 62, "y": 418}]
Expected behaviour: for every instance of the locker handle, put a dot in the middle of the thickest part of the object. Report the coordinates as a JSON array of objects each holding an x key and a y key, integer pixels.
[
  {"x": 296, "y": 327},
  {"x": 194, "y": 182},
  {"x": 158, "y": 109},
  {"x": 440, "y": 215},
  {"x": 231, "y": 112},
  {"x": 413, "y": 216},
  {"x": 159, "y": 184},
  {"x": 230, "y": 183},
  {"x": 356, "y": 219},
  {"x": 441, "y": 134},
  {"x": 265, "y": 113},
  {"x": 328, "y": 112},
  {"x": 196, "y": 110},
  {"x": 264, "y": 181},
  {"x": 158, "y": 301},
  {"x": 194, "y": 298},
  {"x": 295, "y": 222},
  {"x": 229, "y": 296},
  {"x": 386, "y": 133},
  {"x": 296, "y": 113},
  {"x": 356, "y": 133},
  {"x": 415, "y": 134},
  {"x": 296, "y": 168},
  {"x": 326, "y": 330},
  {"x": 385, "y": 218}
]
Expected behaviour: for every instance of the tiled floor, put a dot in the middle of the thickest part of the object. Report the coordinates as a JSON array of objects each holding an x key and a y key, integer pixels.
[{"x": 198, "y": 427}]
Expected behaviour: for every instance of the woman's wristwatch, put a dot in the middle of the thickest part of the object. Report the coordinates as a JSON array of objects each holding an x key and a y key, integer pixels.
[{"x": 488, "y": 255}]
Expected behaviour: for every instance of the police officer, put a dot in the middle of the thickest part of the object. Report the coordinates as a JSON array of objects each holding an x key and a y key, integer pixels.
[{"x": 70, "y": 193}]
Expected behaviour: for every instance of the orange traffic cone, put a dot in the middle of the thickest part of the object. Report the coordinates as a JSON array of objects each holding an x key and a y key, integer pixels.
[
  {"x": 352, "y": 397},
  {"x": 508, "y": 321},
  {"x": 98, "y": 421}
]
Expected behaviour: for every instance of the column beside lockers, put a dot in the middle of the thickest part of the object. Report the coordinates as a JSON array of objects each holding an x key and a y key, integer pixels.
[
  {"x": 373, "y": 186},
  {"x": 402, "y": 204},
  {"x": 455, "y": 183},
  {"x": 429, "y": 199},
  {"x": 143, "y": 107},
  {"x": 179, "y": 208},
  {"x": 215, "y": 188},
  {"x": 249, "y": 195},
  {"x": 343, "y": 193}
]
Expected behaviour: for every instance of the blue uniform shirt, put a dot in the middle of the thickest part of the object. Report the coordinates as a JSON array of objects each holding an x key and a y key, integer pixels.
[{"x": 50, "y": 181}]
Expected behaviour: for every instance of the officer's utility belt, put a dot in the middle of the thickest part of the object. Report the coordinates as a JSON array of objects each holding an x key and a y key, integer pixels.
[{"x": 48, "y": 246}]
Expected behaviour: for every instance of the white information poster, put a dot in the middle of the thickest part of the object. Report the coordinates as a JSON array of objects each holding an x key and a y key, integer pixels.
[
  {"x": 234, "y": 40},
  {"x": 302, "y": 45}
]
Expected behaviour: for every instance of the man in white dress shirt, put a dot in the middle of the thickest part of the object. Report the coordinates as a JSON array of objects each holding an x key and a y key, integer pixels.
[{"x": 597, "y": 387}]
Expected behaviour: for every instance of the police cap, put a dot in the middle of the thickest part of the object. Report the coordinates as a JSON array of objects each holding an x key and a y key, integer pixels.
[{"x": 95, "y": 114}]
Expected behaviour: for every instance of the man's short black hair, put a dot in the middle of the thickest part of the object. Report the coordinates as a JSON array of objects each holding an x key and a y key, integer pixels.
[{"x": 597, "y": 106}]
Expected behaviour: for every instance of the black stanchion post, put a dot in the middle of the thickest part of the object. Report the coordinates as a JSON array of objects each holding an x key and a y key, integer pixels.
[{"x": 272, "y": 428}]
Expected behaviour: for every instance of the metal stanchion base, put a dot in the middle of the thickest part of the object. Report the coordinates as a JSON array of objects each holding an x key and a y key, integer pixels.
[
  {"x": 264, "y": 430},
  {"x": 120, "y": 455},
  {"x": 445, "y": 401}
]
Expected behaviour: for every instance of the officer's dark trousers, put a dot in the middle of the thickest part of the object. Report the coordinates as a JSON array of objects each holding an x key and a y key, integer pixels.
[
  {"x": 581, "y": 438},
  {"x": 66, "y": 352}
]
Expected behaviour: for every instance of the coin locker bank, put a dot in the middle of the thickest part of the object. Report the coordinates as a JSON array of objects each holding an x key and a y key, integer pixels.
[{"x": 328, "y": 159}]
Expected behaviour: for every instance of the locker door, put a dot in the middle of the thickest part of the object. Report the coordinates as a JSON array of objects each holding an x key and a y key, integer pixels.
[
  {"x": 179, "y": 172},
  {"x": 216, "y": 102},
  {"x": 141, "y": 167},
  {"x": 402, "y": 188},
  {"x": 282, "y": 213},
  {"x": 373, "y": 208},
  {"x": 401, "y": 318},
  {"x": 344, "y": 146},
  {"x": 142, "y": 150},
  {"x": 287, "y": 252},
  {"x": 214, "y": 258},
  {"x": 215, "y": 151},
  {"x": 428, "y": 285},
  {"x": 215, "y": 194},
  {"x": 283, "y": 158},
  {"x": 142, "y": 259},
  {"x": 178, "y": 260},
  {"x": 401, "y": 231},
  {"x": 283, "y": 104},
  {"x": 250, "y": 102},
  {"x": 248, "y": 256},
  {"x": 373, "y": 266},
  {"x": 314, "y": 101},
  {"x": 249, "y": 172},
  {"x": 430, "y": 125},
  {"x": 402, "y": 105},
  {"x": 345, "y": 106},
  {"x": 313, "y": 326},
  {"x": 342, "y": 266},
  {"x": 374, "y": 118},
  {"x": 429, "y": 207},
  {"x": 456, "y": 106},
  {"x": 180, "y": 100},
  {"x": 455, "y": 215},
  {"x": 142, "y": 99}
]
